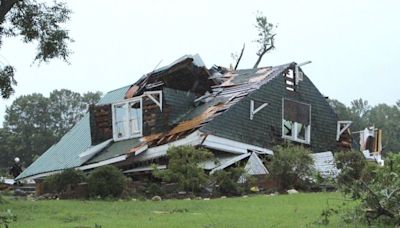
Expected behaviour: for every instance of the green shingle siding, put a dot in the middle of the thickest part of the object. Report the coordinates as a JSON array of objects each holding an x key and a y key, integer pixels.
[{"x": 265, "y": 129}]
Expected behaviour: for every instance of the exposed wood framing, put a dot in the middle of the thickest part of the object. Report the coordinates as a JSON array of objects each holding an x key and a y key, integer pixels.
[
  {"x": 342, "y": 126},
  {"x": 158, "y": 102}
]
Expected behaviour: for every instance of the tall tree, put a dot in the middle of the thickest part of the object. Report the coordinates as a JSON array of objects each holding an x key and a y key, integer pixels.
[
  {"x": 387, "y": 118},
  {"x": 33, "y": 123},
  {"x": 266, "y": 37},
  {"x": 33, "y": 21},
  {"x": 68, "y": 107},
  {"x": 27, "y": 121}
]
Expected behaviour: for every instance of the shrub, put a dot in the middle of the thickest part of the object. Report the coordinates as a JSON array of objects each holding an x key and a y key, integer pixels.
[
  {"x": 64, "y": 181},
  {"x": 7, "y": 217},
  {"x": 184, "y": 169},
  {"x": 291, "y": 167},
  {"x": 226, "y": 181},
  {"x": 351, "y": 165},
  {"x": 106, "y": 181}
]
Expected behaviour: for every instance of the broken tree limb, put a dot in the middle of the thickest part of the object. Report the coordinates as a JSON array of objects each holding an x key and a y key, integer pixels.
[{"x": 240, "y": 56}]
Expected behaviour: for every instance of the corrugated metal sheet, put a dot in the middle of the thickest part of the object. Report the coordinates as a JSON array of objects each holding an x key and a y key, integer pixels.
[
  {"x": 324, "y": 163},
  {"x": 65, "y": 154}
]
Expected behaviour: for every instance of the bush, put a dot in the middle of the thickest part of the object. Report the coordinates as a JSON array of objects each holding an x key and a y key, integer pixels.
[
  {"x": 106, "y": 181},
  {"x": 64, "y": 181},
  {"x": 7, "y": 217},
  {"x": 351, "y": 165},
  {"x": 291, "y": 167},
  {"x": 184, "y": 169},
  {"x": 226, "y": 181}
]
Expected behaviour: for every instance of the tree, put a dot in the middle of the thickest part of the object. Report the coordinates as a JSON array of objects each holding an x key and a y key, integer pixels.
[
  {"x": 33, "y": 21},
  {"x": 266, "y": 37},
  {"x": 381, "y": 116},
  {"x": 33, "y": 123},
  {"x": 378, "y": 197},
  {"x": 68, "y": 107},
  {"x": 387, "y": 118},
  {"x": 28, "y": 121}
]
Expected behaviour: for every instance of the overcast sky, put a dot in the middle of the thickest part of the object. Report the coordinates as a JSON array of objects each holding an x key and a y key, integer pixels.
[{"x": 354, "y": 46}]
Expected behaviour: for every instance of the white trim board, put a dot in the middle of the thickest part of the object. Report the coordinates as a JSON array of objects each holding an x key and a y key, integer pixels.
[
  {"x": 105, "y": 162},
  {"x": 228, "y": 145}
]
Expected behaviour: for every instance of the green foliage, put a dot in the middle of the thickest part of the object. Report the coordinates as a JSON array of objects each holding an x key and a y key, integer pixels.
[
  {"x": 106, "y": 181},
  {"x": 291, "y": 167},
  {"x": 7, "y": 217},
  {"x": 64, "y": 181},
  {"x": 379, "y": 196},
  {"x": 351, "y": 165},
  {"x": 226, "y": 181},
  {"x": 184, "y": 169},
  {"x": 7, "y": 81},
  {"x": 155, "y": 189},
  {"x": 382, "y": 116},
  {"x": 33, "y": 123},
  {"x": 266, "y": 36},
  {"x": 34, "y": 22}
]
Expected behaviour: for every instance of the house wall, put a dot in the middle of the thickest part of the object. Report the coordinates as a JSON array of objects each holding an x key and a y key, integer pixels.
[
  {"x": 176, "y": 103},
  {"x": 265, "y": 129}
]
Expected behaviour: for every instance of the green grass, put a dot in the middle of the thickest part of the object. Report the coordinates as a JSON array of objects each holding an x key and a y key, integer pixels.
[{"x": 300, "y": 210}]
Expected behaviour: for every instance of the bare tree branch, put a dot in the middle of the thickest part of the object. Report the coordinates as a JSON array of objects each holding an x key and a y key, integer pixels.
[{"x": 240, "y": 56}]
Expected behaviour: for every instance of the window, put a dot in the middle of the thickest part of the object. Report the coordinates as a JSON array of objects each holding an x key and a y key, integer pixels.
[
  {"x": 127, "y": 119},
  {"x": 296, "y": 121}
]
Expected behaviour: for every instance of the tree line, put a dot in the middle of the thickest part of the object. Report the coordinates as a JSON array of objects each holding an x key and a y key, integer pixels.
[
  {"x": 33, "y": 123},
  {"x": 382, "y": 116}
]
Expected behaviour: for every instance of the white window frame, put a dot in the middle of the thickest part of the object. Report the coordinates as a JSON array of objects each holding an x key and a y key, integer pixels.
[
  {"x": 294, "y": 137},
  {"x": 128, "y": 129}
]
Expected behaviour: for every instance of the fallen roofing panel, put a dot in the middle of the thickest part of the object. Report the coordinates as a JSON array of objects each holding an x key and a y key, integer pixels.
[
  {"x": 324, "y": 163},
  {"x": 145, "y": 168},
  {"x": 93, "y": 150},
  {"x": 230, "y": 162}
]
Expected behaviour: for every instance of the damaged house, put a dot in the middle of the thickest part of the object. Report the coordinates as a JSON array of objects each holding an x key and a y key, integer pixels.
[{"x": 240, "y": 115}]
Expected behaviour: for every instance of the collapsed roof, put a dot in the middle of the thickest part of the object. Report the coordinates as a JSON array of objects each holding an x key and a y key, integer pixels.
[{"x": 194, "y": 97}]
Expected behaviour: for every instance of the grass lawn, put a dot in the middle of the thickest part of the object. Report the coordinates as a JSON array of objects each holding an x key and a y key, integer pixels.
[{"x": 299, "y": 210}]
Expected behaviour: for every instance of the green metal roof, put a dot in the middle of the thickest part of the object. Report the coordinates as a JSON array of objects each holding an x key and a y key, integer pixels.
[
  {"x": 116, "y": 149},
  {"x": 65, "y": 154}
]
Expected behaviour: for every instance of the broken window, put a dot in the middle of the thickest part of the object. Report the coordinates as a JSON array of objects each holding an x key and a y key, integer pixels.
[
  {"x": 127, "y": 119},
  {"x": 290, "y": 80},
  {"x": 296, "y": 121}
]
